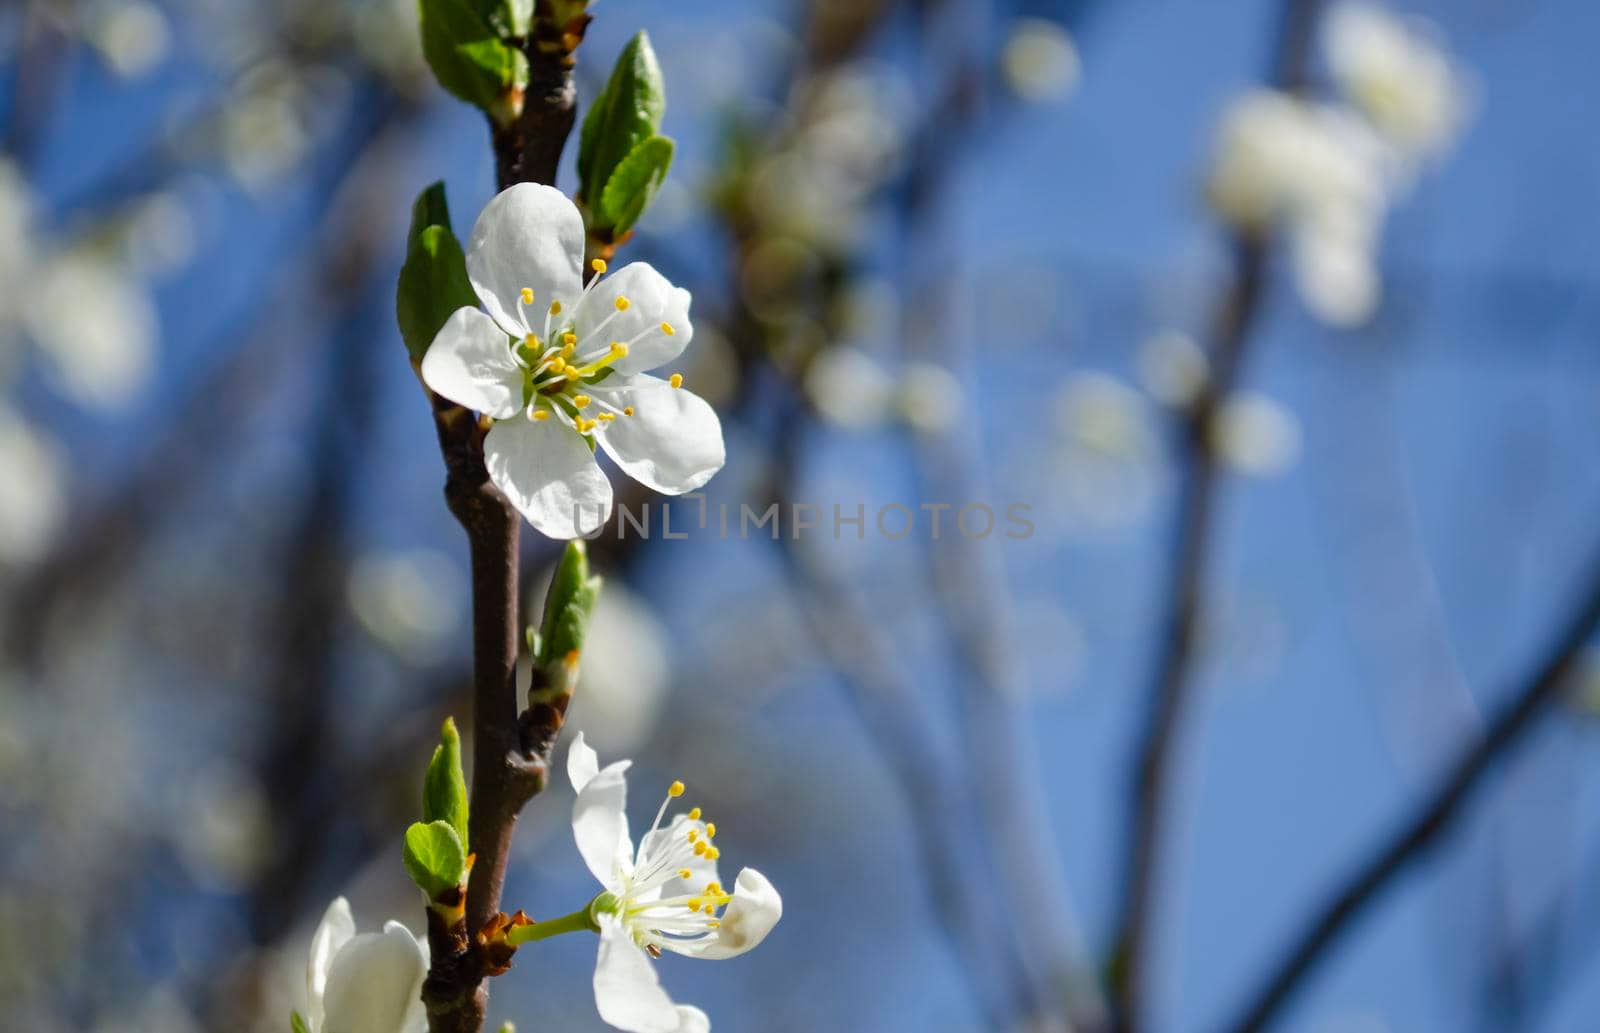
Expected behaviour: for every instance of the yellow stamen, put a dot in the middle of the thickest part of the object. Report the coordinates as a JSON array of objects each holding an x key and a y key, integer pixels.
[
  {"x": 573, "y": 372},
  {"x": 700, "y": 849},
  {"x": 619, "y": 350},
  {"x": 667, "y": 329},
  {"x": 623, "y": 303},
  {"x": 711, "y": 830},
  {"x": 531, "y": 340},
  {"x": 713, "y": 924},
  {"x": 540, "y": 415},
  {"x": 713, "y": 889},
  {"x": 712, "y": 853},
  {"x": 598, "y": 265},
  {"x": 558, "y": 364},
  {"x": 569, "y": 339},
  {"x": 676, "y": 788},
  {"x": 694, "y": 815},
  {"x": 627, "y": 410},
  {"x": 581, "y": 401},
  {"x": 527, "y": 295},
  {"x": 555, "y": 308},
  {"x": 606, "y": 417},
  {"x": 676, "y": 380},
  {"x": 684, "y": 873},
  {"x": 694, "y": 834}
]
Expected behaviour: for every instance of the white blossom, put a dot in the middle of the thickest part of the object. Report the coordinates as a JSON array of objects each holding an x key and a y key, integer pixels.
[
  {"x": 367, "y": 982},
  {"x": 1396, "y": 72},
  {"x": 664, "y": 896},
  {"x": 32, "y": 490},
  {"x": 561, "y": 368}
]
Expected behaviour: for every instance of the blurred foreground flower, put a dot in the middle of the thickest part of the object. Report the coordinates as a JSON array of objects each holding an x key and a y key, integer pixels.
[
  {"x": 651, "y": 902},
  {"x": 32, "y": 492},
  {"x": 1398, "y": 75},
  {"x": 371, "y": 983},
  {"x": 1040, "y": 61},
  {"x": 541, "y": 372}
]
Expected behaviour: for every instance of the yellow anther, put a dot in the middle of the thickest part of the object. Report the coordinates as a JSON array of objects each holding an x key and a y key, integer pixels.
[
  {"x": 713, "y": 924},
  {"x": 700, "y": 849},
  {"x": 694, "y": 903},
  {"x": 598, "y": 265},
  {"x": 540, "y": 415},
  {"x": 627, "y": 410},
  {"x": 527, "y": 295},
  {"x": 711, "y": 830},
  {"x": 531, "y": 340},
  {"x": 581, "y": 401},
  {"x": 712, "y": 853},
  {"x": 569, "y": 339},
  {"x": 675, "y": 789},
  {"x": 555, "y": 308},
  {"x": 676, "y": 380},
  {"x": 573, "y": 372},
  {"x": 667, "y": 329},
  {"x": 557, "y": 364},
  {"x": 694, "y": 834},
  {"x": 606, "y": 417},
  {"x": 694, "y": 814},
  {"x": 619, "y": 350},
  {"x": 684, "y": 873},
  {"x": 623, "y": 304},
  {"x": 713, "y": 889}
]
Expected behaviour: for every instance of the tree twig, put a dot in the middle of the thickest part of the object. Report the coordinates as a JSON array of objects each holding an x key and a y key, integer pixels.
[
  {"x": 1443, "y": 807},
  {"x": 1180, "y": 621}
]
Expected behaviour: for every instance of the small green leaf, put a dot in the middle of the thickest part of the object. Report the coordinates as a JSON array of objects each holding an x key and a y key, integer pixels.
[
  {"x": 433, "y": 281},
  {"x": 467, "y": 54},
  {"x": 444, "y": 789},
  {"x": 297, "y": 1024},
  {"x": 435, "y": 858},
  {"x": 633, "y": 185},
  {"x": 567, "y": 606},
  {"x": 627, "y": 112}
]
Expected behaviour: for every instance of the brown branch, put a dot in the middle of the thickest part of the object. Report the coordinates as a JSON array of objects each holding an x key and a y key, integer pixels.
[
  {"x": 1230, "y": 337},
  {"x": 510, "y": 757},
  {"x": 1436, "y": 815}
]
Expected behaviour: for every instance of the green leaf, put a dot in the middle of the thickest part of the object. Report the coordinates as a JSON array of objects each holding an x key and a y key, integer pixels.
[
  {"x": 627, "y": 112},
  {"x": 297, "y": 1024},
  {"x": 468, "y": 56},
  {"x": 433, "y": 281},
  {"x": 444, "y": 789},
  {"x": 633, "y": 185},
  {"x": 567, "y": 606},
  {"x": 435, "y": 858}
]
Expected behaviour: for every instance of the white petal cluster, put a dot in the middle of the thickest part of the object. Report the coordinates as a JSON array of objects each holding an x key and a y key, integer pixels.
[
  {"x": 561, "y": 367},
  {"x": 662, "y": 896},
  {"x": 364, "y": 982},
  {"x": 1326, "y": 172}
]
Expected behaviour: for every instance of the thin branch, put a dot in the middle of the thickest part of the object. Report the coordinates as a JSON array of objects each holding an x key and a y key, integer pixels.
[
  {"x": 1230, "y": 336},
  {"x": 1437, "y": 814}
]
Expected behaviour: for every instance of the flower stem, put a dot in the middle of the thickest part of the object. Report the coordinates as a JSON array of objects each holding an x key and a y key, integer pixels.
[{"x": 577, "y": 922}]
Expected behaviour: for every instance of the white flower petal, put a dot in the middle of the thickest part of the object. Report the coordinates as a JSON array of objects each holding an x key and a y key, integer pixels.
[
  {"x": 755, "y": 909},
  {"x": 692, "y": 1020},
  {"x": 470, "y": 363},
  {"x": 582, "y": 763},
  {"x": 373, "y": 983},
  {"x": 333, "y": 932},
  {"x": 547, "y": 471},
  {"x": 531, "y": 236},
  {"x": 652, "y": 301},
  {"x": 627, "y": 992},
  {"x": 600, "y": 824},
  {"x": 672, "y": 442}
]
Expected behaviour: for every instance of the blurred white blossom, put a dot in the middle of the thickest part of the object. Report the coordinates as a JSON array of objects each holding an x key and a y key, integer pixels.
[
  {"x": 1040, "y": 61},
  {"x": 1255, "y": 435},
  {"x": 929, "y": 398},
  {"x": 95, "y": 326},
  {"x": 1173, "y": 368},
  {"x": 623, "y": 684},
  {"x": 132, "y": 36},
  {"x": 1399, "y": 75},
  {"x": 32, "y": 490},
  {"x": 409, "y": 600},
  {"x": 849, "y": 388}
]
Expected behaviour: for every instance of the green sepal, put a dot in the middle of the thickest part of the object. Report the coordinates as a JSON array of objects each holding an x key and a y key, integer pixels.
[
  {"x": 433, "y": 281},
  {"x": 567, "y": 607},
  {"x": 468, "y": 56},
  {"x": 633, "y": 185},
  {"x": 627, "y": 112},
  {"x": 435, "y": 858},
  {"x": 297, "y": 1024},
  {"x": 444, "y": 788}
]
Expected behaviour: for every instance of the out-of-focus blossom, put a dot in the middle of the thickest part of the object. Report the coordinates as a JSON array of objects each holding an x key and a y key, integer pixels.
[
  {"x": 1397, "y": 73},
  {"x": 663, "y": 897},
  {"x": 624, "y": 684},
  {"x": 849, "y": 388},
  {"x": 561, "y": 367},
  {"x": 388, "y": 34},
  {"x": 1173, "y": 368},
  {"x": 95, "y": 326},
  {"x": 1255, "y": 435},
  {"x": 410, "y": 601},
  {"x": 32, "y": 490},
  {"x": 222, "y": 827},
  {"x": 1101, "y": 413},
  {"x": 929, "y": 397},
  {"x": 366, "y": 983},
  {"x": 131, "y": 35},
  {"x": 1040, "y": 61}
]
